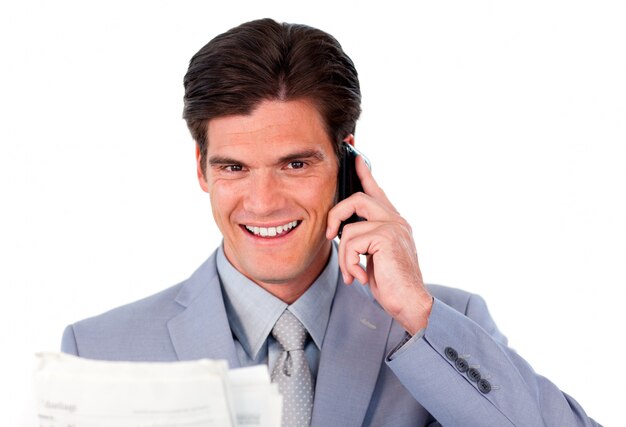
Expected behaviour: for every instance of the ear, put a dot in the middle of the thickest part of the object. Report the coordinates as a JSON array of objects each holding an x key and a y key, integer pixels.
[
  {"x": 200, "y": 170},
  {"x": 349, "y": 139}
]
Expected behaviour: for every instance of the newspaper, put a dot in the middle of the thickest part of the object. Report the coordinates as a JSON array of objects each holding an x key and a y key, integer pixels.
[{"x": 77, "y": 392}]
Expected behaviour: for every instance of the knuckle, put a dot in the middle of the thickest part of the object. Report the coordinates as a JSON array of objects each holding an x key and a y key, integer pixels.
[
  {"x": 360, "y": 196},
  {"x": 404, "y": 224}
]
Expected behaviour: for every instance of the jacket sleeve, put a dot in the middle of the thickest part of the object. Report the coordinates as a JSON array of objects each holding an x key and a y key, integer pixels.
[
  {"x": 463, "y": 373},
  {"x": 68, "y": 342}
]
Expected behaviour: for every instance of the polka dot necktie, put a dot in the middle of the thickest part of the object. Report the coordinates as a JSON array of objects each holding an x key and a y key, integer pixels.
[{"x": 292, "y": 373}]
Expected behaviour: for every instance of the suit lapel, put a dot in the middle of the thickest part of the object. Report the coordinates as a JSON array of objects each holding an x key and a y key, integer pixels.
[
  {"x": 352, "y": 354},
  {"x": 202, "y": 329}
]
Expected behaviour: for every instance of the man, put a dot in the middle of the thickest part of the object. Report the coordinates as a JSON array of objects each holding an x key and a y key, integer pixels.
[{"x": 268, "y": 105}]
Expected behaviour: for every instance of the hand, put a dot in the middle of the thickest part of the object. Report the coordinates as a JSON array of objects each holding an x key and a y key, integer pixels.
[{"x": 392, "y": 271}]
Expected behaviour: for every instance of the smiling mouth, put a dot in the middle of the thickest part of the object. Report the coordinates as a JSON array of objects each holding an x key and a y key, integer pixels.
[{"x": 269, "y": 232}]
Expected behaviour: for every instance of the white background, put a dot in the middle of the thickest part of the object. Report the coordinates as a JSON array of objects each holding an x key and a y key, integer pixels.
[{"x": 497, "y": 127}]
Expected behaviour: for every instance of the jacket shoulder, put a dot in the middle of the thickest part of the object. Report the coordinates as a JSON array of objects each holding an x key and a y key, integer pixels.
[
  {"x": 139, "y": 330},
  {"x": 471, "y": 305},
  {"x": 452, "y": 297},
  {"x": 153, "y": 308},
  {"x": 135, "y": 331}
]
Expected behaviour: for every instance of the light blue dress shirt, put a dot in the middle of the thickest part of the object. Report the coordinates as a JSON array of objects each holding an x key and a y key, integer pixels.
[{"x": 252, "y": 313}]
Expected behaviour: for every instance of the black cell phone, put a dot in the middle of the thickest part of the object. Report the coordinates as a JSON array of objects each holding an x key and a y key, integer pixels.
[{"x": 348, "y": 181}]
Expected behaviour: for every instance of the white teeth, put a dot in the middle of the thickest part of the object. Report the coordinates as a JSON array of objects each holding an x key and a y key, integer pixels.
[{"x": 271, "y": 231}]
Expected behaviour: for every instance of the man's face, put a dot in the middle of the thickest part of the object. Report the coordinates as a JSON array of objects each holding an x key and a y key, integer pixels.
[{"x": 272, "y": 177}]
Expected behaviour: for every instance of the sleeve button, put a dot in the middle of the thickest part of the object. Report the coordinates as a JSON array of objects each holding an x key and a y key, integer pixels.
[
  {"x": 451, "y": 354},
  {"x": 461, "y": 365},
  {"x": 474, "y": 374},
  {"x": 484, "y": 386}
]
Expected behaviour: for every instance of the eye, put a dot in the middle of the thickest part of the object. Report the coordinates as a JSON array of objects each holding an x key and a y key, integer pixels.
[
  {"x": 233, "y": 168},
  {"x": 296, "y": 165}
]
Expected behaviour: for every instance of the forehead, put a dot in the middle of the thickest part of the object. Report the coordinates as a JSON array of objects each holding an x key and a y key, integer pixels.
[{"x": 272, "y": 124}]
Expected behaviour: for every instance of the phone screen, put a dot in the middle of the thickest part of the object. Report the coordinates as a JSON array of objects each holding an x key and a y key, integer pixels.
[{"x": 348, "y": 181}]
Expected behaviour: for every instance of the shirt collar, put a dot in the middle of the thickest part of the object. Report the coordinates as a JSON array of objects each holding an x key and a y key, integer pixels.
[{"x": 252, "y": 311}]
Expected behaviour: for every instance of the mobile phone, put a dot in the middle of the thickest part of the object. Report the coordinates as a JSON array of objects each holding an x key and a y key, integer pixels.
[{"x": 348, "y": 181}]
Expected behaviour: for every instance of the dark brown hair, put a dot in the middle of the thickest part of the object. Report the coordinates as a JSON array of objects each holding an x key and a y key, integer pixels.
[{"x": 265, "y": 60}]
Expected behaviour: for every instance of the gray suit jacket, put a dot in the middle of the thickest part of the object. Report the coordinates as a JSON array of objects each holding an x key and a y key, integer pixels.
[{"x": 357, "y": 385}]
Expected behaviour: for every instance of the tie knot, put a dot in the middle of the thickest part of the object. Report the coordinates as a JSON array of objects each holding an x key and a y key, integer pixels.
[{"x": 289, "y": 332}]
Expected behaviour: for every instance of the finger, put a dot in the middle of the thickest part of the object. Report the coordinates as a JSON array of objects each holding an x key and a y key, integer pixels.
[
  {"x": 349, "y": 254},
  {"x": 350, "y": 264},
  {"x": 355, "y": 247},
  {"x": 354, "y": 267},
  {"x": 371, "y": 273},
  {"x": 348, "y": 278},
  {"x": 361, "y": 204},
  {"x": 370, "y": 186}
]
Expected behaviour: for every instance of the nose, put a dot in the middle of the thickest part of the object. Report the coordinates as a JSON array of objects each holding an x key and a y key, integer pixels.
[{"x": 264, "y": 195}]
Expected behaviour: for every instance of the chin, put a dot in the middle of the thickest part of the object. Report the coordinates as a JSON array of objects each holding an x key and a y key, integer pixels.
[
  {"x": 288, "y": 265},
  {"x": 273, "y": 276}
]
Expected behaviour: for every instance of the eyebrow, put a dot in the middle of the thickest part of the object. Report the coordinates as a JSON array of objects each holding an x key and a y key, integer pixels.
[
  {"x": 302, "y": 155},
  {"x": 222, "y": 160},
  {"x": 299, "y": 155}
]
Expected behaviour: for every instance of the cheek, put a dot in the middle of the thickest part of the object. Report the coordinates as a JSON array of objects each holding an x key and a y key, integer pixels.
[
  {"x": 320, "y": 195},
  {"x": 329, "y": 187},
  {"x": 223, "y": 200}
]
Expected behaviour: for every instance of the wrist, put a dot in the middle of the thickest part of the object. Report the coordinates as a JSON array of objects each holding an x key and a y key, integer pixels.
[{"x": 415, "y": 316}]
